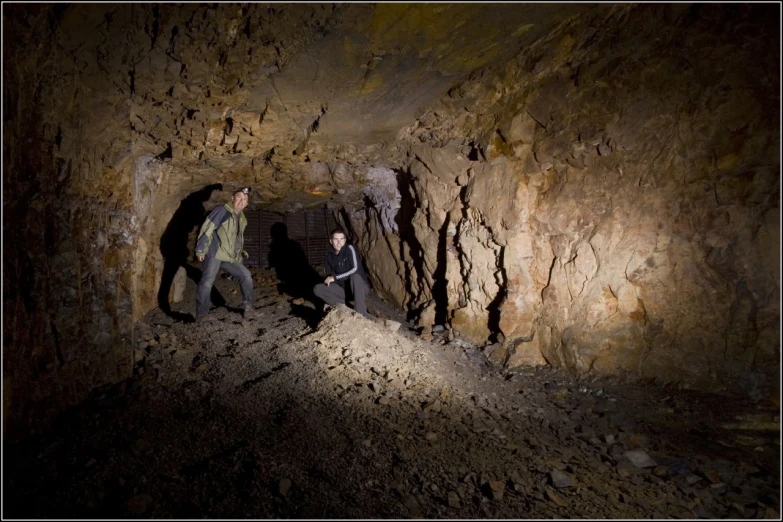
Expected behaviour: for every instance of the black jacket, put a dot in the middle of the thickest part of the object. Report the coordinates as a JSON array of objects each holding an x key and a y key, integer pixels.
[{"x": 344, "y": 264}]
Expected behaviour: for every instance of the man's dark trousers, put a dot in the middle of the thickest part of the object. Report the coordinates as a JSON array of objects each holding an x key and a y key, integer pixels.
[
  {"x": 334, "y": 293},
  {"x": 210, "y": 271}
]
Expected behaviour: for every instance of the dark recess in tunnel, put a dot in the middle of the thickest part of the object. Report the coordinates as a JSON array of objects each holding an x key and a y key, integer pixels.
[
  {"x": 439, "y": 289},
  {"x": 495, "y": 306}
]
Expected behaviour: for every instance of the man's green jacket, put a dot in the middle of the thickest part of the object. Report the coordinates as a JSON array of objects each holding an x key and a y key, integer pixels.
[{"x": 229, "y": 230}]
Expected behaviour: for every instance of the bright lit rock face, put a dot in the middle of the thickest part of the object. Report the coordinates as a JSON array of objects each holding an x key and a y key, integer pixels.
[
  {"x": 595, "y": 187},
  {"x": 607, "y": 202}
]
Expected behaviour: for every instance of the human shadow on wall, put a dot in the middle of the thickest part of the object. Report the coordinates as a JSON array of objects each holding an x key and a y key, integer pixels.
[
  {"x": 174, "y": 248},
  {"x": 297, "y": 277}
]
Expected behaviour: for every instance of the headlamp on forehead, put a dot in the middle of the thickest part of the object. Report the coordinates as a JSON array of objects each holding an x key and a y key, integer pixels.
[{"x": 244, "y": 190}]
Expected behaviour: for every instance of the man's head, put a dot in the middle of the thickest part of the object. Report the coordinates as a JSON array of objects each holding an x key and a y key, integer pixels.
[
  {"x": 337, "y": 239},
  {"x": 240, "y": 199}
]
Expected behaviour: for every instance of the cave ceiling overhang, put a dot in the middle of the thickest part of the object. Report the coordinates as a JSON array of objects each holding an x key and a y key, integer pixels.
[{"x": 345, "y": 95}]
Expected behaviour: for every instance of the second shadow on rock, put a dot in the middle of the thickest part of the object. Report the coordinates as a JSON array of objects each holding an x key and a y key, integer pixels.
[{"x": 288, "y": 259}]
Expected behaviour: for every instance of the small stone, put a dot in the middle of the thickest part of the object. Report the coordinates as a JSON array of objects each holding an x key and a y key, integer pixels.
[
  {"x": 431, "y": 436},
  {"x": 433, "y": 406},
  {"x": 748, "y": 469},
  {"x": 661, "y": 471},
  {"x": 139, "y": 504},
  {"x": 298, "y": 301},
  {"x": 692, "y": 479},
  {"x": 412, "y": 505},
  {"x": 453, "y": 499},
  {"x": 554, "y": 497},
  {"x": 679, "y": 467},
  {"x": 497, "y": 487},
  {"x": 383, "y": 400},
  {"x": 712, "y": 475},
  {"x": 560, "y": 479},
  {"x": 141, "y": 447},
  {"x": 639, "y": 458},
  {"x": 391, "y": 326},
  {"x": 284, "y": 486},
  {"x": 625, "y": 470}
]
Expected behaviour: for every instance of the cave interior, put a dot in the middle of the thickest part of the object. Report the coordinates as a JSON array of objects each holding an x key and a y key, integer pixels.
[{"x": 563, "y": 193}]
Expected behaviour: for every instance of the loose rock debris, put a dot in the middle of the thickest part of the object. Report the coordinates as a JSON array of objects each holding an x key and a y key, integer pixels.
[{"x": 272, "y": 418}]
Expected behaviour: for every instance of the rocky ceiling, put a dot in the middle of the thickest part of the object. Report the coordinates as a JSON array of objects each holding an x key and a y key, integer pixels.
[
  {"x": 263, "y": 94},
  {"x": 591, "y": 186}
]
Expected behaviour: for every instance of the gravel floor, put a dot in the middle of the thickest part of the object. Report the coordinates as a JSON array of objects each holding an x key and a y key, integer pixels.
[{"x": 299, "y": 415}]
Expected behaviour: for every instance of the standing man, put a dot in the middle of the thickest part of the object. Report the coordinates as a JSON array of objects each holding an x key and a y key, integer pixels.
[
  {"x": 220, "y": 242},
  {"x": 343, "y": 263}
]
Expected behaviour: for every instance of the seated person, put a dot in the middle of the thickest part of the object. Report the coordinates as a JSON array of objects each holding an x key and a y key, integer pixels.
[{"x": 343, "y": 264}]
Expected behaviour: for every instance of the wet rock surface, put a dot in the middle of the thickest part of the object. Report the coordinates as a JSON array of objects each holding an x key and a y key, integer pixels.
[{"x": 299, "y": 416}]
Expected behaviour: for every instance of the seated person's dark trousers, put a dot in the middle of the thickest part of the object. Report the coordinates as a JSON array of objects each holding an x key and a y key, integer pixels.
[
  {"x": 334, "y": 294},
  {"x": 210, "y": 269}
]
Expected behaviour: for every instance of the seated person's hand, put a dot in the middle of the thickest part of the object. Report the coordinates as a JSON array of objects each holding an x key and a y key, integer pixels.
[
  {"x": 328, "y": 280},
  {"x": 200, "y": 257}
]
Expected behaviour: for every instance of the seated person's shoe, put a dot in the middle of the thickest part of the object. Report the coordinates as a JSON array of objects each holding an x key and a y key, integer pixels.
[
  {"x": 249, "y": 313},
  {"x": 205, "y": 318}
]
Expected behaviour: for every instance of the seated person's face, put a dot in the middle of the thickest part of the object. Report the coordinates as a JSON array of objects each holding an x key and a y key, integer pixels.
[{"x": 337, "y": 241}]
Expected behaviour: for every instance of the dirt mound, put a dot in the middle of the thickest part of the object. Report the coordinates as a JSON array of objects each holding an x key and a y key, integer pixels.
[{"x": 295, "y": 415}]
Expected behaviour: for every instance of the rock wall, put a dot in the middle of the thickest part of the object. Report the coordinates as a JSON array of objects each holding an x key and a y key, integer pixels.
[
  {"x": 608, "y": 202},
  {"x": 112, "y": 116}
]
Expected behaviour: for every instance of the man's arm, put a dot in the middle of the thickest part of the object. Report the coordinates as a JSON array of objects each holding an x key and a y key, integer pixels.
[
  {"x": 354, "y": 263},
  {"x": 328, "y": 271},
  {"x": 214, "y": 219}
]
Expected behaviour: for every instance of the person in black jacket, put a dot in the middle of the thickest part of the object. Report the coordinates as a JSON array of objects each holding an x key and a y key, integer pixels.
[{"x": 343, "y": 263}]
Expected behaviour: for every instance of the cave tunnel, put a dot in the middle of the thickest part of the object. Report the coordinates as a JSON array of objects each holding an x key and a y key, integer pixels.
[{"x": 569, "y": 218}]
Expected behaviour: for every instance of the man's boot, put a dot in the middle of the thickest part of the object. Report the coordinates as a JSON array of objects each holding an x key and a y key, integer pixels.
[
  {"x": 205, "y": 318},
  {"x": 248, "y": 312}
]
